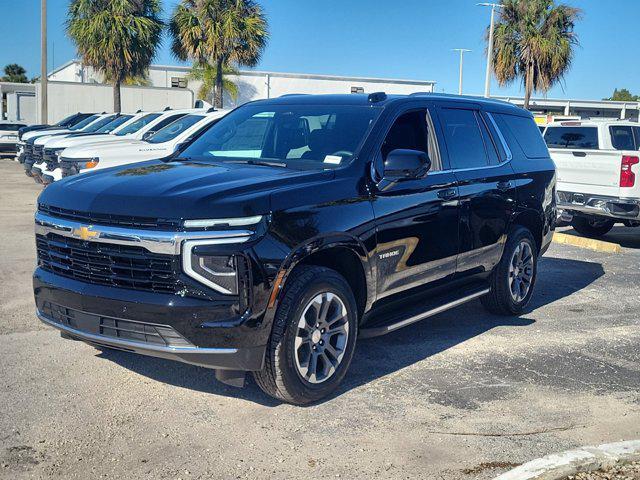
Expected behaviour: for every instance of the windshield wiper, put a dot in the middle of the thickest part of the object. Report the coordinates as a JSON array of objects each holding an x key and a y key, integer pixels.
[{"x": 265, "y": 163}]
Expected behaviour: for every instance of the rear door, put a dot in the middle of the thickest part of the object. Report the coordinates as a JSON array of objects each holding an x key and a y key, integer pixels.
[
  {"x": 582, "y": 164},
  {"x": 487, "y": 192}
]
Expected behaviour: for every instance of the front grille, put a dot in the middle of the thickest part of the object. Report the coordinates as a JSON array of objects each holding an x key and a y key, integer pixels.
[
  {"x": 38, "y": 152},
  {"x": 50, "y": 158},
  {"x": 108, "y": 264},
  {"x": 111, "y": 327},
  {"x": 28, "y": 148},
  {"x": 109, "y": 219}
]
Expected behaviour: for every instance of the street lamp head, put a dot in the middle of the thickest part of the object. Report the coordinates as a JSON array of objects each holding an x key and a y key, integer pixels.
[{"x": 492, "y": 5}]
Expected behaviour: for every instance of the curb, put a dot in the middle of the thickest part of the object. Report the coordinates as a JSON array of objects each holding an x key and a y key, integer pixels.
[
  {"x": 588, "y": 243},
  {"x": 559, "y": 465}
]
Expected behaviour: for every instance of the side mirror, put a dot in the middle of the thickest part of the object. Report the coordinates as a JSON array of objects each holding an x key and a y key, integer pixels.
[
  {"x": 404, "y": 164},
  {"x": 148, "y": 135}
]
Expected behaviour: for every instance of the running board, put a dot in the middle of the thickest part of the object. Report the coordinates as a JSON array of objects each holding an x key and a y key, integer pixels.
[{"x": 378, "y": 329}]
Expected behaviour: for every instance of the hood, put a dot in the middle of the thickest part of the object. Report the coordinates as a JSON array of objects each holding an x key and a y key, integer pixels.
[
  {"x": 39, "y": 133},
  {"x": 72, "y": 140},
  {"x": 177, "y": 190},
  {"x": 98, "y": 149},
  {"x": 48, "y": 138}
]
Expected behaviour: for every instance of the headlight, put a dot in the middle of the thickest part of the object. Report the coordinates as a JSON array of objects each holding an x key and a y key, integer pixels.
[
  {"x": 224, "y": 273},
  {"x": 81, "y": 163}
]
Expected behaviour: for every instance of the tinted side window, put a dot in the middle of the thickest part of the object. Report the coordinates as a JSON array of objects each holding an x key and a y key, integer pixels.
[
  {"x": 464, "y": 138},
  {"x": 636, "y": 135},
  {"x": 411, "y": 131},
  {"x": 526, "y": 133},
  {"x": 622, "y": 137},
  {"x": 163, "y": 123},
  {"x": 572, "y": 137},
  {"x": 489, "y": 143}
]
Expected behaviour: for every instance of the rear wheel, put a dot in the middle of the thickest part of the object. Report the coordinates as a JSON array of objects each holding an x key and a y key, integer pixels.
[
  {"x": 513, "y": 279},
  {"x": 313, "y": 337},
  {"x": 592, "y": 227}
]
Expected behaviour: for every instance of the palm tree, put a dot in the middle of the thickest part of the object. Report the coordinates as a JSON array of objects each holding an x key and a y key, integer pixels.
[
  {"x": 534, "y": 40},
  {"x": 207, "y": 74},
  {"x": 14, "y": 73},
  {"x": 219, "y": 33},
  {"x": 118, "y": 38}
]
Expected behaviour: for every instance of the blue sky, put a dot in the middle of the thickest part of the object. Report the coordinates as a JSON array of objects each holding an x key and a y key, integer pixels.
[{"x": 380, "y": 38}]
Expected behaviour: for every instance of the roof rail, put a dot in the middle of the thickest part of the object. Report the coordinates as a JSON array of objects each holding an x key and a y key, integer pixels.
[
  {"x": 212, "y": 109},
  {"x": 377, "y": 97},
  {"x": 139, "y": 110},
  {"x": 292, "y": 94},
  {"x": 418, "y": 94},
  {"x": 166, "y": 109}
]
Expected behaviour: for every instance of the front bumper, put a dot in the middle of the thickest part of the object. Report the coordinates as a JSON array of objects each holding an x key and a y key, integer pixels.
[
  {"x": 138, "y": 322},
  {"x": 599, "y": 205}
]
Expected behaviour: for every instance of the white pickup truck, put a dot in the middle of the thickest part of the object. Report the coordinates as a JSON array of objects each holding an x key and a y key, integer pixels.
[
  {"x": 597, "y": 164},
  {"x": 87, "y": 158}
]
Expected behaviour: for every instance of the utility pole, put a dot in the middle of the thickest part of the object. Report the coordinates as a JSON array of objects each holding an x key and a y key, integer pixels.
[
  {"x": 487, "y": 80},
  {"x": 462, "y": 52},
  {"x": 43, "y": 64}
]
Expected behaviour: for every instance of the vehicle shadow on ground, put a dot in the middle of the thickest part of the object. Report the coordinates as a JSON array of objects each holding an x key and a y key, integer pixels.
[
  {"x": 624, "y": 236},
  {"x": 377, "y": 357}
]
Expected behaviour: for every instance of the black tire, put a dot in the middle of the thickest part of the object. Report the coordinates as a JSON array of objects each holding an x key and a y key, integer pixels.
[
  {"x": 280, "y": 377},
  {"x": 592, "y": 227},
  {"x": 500, "y": 300}
]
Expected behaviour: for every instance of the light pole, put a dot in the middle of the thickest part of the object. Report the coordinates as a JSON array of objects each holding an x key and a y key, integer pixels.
[
  {"x": 462, "y": 52},
  {"x": 43, "y": 63},
  {"x": 487, "y": 80}
]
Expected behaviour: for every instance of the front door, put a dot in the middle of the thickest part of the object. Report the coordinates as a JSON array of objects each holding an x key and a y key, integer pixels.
[
  {"x": 417, "y": 219},
  {"x": 481, "y": 163}
]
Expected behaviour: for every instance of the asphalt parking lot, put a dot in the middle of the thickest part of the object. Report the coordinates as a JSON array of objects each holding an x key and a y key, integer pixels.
[{"x": 462, "y": 395}]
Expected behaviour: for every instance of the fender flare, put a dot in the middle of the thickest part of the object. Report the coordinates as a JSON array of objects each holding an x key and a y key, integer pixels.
[{"x": 313, "y": 246}]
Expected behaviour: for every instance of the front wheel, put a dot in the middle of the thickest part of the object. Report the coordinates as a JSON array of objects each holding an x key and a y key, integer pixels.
[
  {"x": 513, "y": 279},
  {"x": 592, "y": 227},
  {"x": 313, "y": 337}
]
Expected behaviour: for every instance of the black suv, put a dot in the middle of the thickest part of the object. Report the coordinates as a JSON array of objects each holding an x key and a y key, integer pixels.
[{"x": 293, "y": 226}]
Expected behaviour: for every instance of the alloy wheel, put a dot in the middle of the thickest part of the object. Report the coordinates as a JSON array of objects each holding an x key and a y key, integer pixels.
[
  {"x": 521, "y": 271},
  {"x": 321, "y": 337}
]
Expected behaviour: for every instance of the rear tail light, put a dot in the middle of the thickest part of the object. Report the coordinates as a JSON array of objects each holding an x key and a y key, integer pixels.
[{"x": 627, "y": 177}]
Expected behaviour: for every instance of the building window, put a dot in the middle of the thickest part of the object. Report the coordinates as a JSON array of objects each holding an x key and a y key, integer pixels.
[
  {"x": 178, "y": 82},
  {"x": 357, "y": 89}
]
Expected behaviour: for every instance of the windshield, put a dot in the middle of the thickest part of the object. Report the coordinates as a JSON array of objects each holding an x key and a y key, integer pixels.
[
  {"x": 84, "y": 123},
  {"x": 94, "y": 127},
  {"x": 174, "y": 129},
  {"x": 70, "y": 120},
  {"x": 297, "y": 136},
  {"x": 115, "y": 123},
  {"x": 137, "y": 125}
]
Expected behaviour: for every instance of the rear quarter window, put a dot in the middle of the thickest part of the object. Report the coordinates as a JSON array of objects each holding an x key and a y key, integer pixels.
[
  {"x": 583, "y": 138},
  {"x": 622, "y": 137},
  {"x": 525, "y": 132}
]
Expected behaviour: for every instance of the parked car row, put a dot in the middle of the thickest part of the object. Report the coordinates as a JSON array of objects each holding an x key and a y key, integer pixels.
[{"x": 97, "y": 141}]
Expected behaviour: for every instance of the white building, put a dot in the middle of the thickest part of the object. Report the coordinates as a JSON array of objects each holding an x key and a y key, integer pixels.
[{"x": 253, "y": 85}]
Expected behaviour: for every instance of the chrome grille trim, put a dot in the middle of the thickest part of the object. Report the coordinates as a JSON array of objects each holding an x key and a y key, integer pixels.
[{"x": 154, "y": 241}]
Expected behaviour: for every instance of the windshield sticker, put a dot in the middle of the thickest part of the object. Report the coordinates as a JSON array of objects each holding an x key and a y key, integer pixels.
[{"x": 333, "y": 159}]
